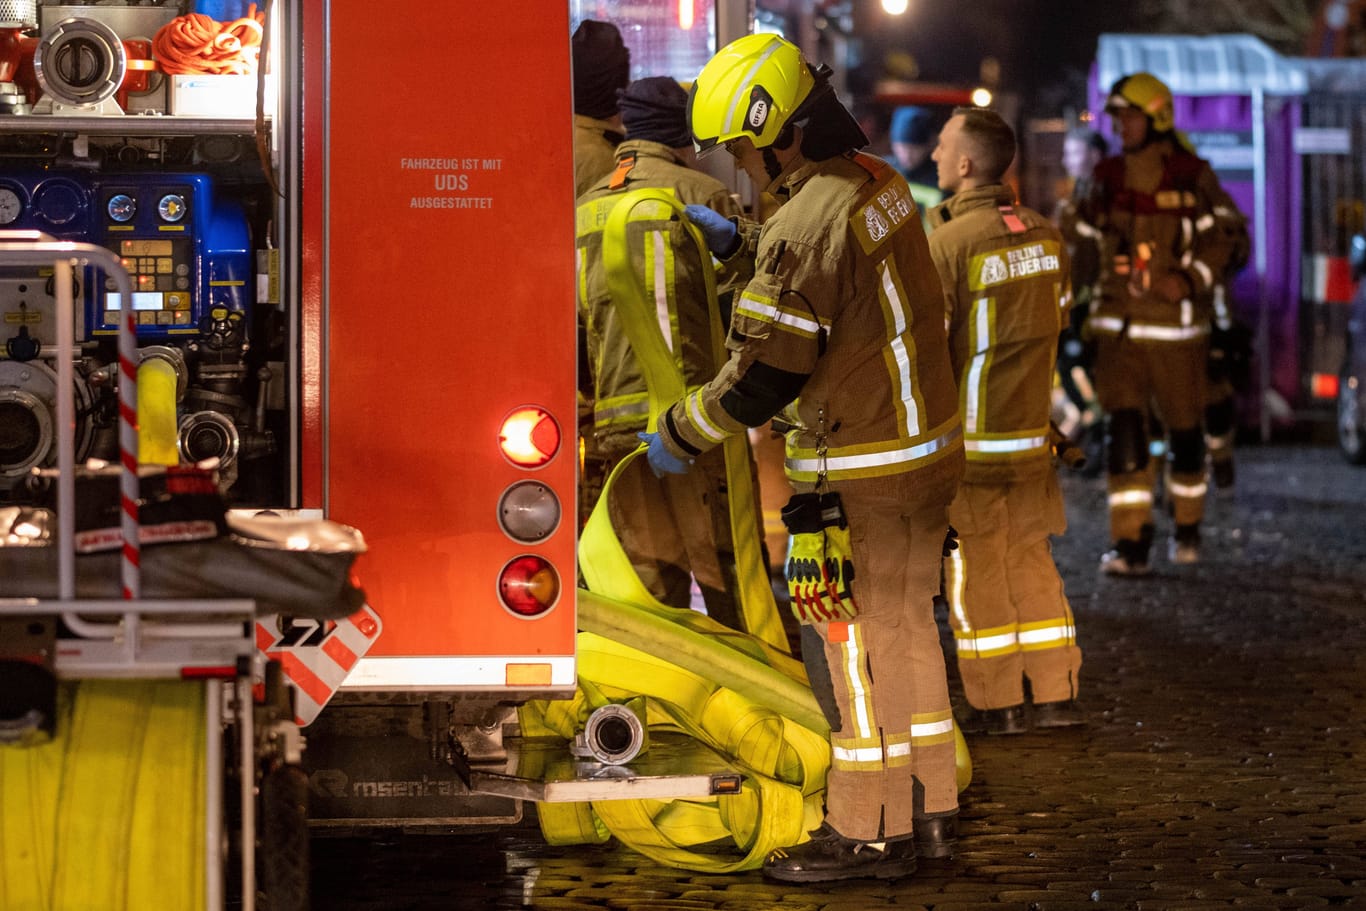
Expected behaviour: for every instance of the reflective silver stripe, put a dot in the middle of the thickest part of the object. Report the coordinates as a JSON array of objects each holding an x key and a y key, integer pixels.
[
  {"x": 860, "y": 700},
  {"x": 700, "y": 420},
  {"x": 617, "y": 412},
  {"x": 1187, "y": 490},
  {"x": 876, "y": 459},
  {"x": 1048, "y": 634},
  {"x": 1152, "y": 331},
  {"x": 861, "y": 754},
  {"x": 899, "y": 352},
  {"x": 981, "y": 313},
  {"x": 1131, "y": 498},
  {"x": 1205, "y": 274},
  {"x": 986, "y": 643},
  {"x": 661, "y": 288},
  {"x": 766, "y": 311},
  {"x": 1204, "y": 222},
  {"x": 1086, "y": 230},
  {"x": 1186, "y": 311},
  {"x": 902, "y": 748},
  {"x": 932, "y": 728},
  {"x": 1186, "y": 232},
  {"x": 1106, "y": 323},
  {"x": 1023, "y": 444},
  {"x": 741, "y": 96}
]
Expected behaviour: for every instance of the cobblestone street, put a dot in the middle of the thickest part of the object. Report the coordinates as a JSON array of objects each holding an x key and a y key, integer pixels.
[{"x": 1223, "y": 766}]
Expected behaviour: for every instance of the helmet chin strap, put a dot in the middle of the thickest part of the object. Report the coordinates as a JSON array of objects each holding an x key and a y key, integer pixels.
[{"x": 771, "y": 164}]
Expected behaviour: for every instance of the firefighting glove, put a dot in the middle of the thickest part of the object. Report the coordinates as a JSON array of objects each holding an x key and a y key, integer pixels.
[
  {"x": 718, "y": 231},
  {"x": 819, "y": 568},
  {"x": 662, "y": 461}
]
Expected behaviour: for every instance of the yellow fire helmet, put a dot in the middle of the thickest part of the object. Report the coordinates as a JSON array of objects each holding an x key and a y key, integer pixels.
[
  {"x": 1148, "y": 94},
  {"x": 752, "y": 87}
]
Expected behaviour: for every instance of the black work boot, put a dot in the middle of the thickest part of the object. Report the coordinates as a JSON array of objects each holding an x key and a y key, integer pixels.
[
  {"x": 1009, "y": 720},
  {"x": 829, "y": 857},
  {"x": 935, "y": 836},
  {"x": 1129, "y": 557}
]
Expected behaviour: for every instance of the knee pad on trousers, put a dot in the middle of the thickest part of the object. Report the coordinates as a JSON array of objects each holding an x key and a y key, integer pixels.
[
  {"x": 1219, "y": 417},
  {"x": 1126, "y": 442},
  {"x": 1187, "y": 452}
]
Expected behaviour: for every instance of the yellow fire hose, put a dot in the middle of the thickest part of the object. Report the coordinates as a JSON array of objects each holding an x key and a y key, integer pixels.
[
  {"x": 110, "y": 813},
  {"x": 739, "y": 693}
]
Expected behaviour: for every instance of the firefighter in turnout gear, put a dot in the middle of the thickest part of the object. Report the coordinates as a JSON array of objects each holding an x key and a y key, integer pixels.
[
  {"x": 840, "y": 329},
  {"x": 673, "y": 528},
  {"x": 1157, "y": 207},
  {"x": 1006, "y": 294},
  {"x": 602, "y": 67}
]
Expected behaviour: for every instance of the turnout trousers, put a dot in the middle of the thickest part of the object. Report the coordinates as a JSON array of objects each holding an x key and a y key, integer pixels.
[
  {"x": 676, "y": 528},
  {"x": 1170, "y": 376},
  {"x": 880, "y": 678},
  {"x": 1010, "y": 617}
]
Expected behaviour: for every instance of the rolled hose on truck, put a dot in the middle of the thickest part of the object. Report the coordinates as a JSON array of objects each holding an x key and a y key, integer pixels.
[
  {"x": 109, "y": 813},
  {"x": 741, "y": 694}
]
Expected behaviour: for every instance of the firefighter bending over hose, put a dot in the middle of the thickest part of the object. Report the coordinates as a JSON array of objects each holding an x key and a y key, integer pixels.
[
  {"x": 672, "y": 528},
  {"x": 1162, "y": 218},
  {"x": 844, "y": 309},
  {"x": 1006, "y": 277}
]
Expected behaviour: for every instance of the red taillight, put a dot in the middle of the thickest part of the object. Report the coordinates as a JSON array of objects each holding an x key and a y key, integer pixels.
[
  {"x": 529, "y": 586},
  {"x": 1324, "y": 385},
  {"x": 529, "y": 437}
]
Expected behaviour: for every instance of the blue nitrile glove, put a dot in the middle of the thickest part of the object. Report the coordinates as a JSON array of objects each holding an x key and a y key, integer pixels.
[
  {"x": 717, "y": 230},
  {"x": 662, "y": 461}
]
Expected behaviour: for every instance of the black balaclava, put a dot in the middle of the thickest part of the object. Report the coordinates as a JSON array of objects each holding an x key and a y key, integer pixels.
[
  {"x": 602, "y": 65},
  {"x": 655, "y": 108}
]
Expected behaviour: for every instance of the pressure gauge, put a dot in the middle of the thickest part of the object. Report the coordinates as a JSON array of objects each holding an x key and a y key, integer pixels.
[
  {"x": 172, "y": 207},
  {"x": 10, "y": 206},
  {"x": 122, "y": 207}
]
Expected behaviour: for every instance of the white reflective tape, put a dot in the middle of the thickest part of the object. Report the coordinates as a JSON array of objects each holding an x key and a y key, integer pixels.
[
  {"x": 1086, "y": 230},
  {"x": 1131, "y": 498},
  {"x": 981, "y": 310},
  {"x": 862, "y": 754},
  {"x": 875, "y": 459},
  {"x": 1187, "y": 490},
  {"x": 932, "y": 728},
  {"x": 766, "y": 311},
  {"x": 1023, "y": 444},
  {"x": 700, "y": 420},
  {"x": 659, "y": 276},
  {"x": 1167, "y": 333},
  {"x": 899, "y": 352},
  {"x": 859, "y": 699},
  {"x": 1205, "y": 274},
  {"x": 1047, "y": 634},
  {"x": 986, "y": 643},
  {"x": 1105, "y": 323},
  {"x": 1204, "y": 222}
]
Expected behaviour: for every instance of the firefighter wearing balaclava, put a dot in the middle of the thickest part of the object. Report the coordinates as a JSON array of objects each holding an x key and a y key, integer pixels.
[
  {"x": 673, "y": 528},
  {"x": 840, "y": 329},
  {"x": 602, "y": 67},
  {"x": 1162, "y": 217}
]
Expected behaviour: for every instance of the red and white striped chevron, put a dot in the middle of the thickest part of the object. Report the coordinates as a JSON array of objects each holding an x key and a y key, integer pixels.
[{"x": 317, "y": 655}]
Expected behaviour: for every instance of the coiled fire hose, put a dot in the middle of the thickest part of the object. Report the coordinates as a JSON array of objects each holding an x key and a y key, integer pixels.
[{"x": 196, "y": 43}]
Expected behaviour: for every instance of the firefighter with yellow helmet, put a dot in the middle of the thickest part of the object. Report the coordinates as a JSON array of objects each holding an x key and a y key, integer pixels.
[
  {"x": 1163, "y": 222},
  {"x": 840, "y": 332}
]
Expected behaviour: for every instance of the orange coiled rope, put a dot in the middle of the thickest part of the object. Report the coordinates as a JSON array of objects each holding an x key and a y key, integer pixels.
[{"x": 201, "y": 44}]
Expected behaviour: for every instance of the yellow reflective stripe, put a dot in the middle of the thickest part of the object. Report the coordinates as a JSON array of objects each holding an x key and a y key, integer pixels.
[
  {"x": 987, "y": 643},
  {"x": 869, "y": 460},
  {"x": 1043, "y": 634},
  {"x": 1187, "y": 490},
  {"x": 620, "y": 409},
  {"x": 901, "y": 349},
  {"x": 701, "y": 420},
  {"x": 980, "y": 321},
  {"x": 1140, "y": 497},
  {"x": 929, "y": 728},
  {"x": 856, "y": 682},
  {"x": 764, "y": 309}
]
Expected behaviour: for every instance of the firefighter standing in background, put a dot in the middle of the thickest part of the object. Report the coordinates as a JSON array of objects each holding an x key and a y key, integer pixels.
[
  {"x": 1230, "y": 355},
  {"x": 602, "y": 67},
  {"x": 673, "y": 528},
  {"x": 912, "y": 138},
  {"x": 843, "y": 307},
  {"x": 1082, "y": 149},
  {"x": 1005, "y": 274},
  {"x": 1157, "y": 208}
]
